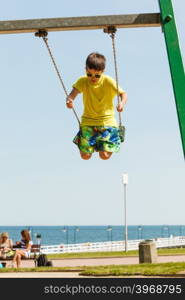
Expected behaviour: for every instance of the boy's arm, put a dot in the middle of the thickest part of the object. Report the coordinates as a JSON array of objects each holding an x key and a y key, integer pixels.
[
  {"x": 122, "y": 102},
  {"x": 70, "y": 98}
]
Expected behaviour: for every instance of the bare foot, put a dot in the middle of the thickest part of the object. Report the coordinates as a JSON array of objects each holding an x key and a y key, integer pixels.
[
  {"x": 85, "y": 156},
  {"x": 105, "y": 155}
]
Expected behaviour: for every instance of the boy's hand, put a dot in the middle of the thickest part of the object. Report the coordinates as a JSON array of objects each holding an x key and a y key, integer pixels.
[
  {"x": 120, "y": 107},
  {"x": 69, "y": 103}
]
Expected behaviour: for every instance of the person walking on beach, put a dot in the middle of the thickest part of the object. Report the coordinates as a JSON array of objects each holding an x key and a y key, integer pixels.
[
  {"x": 98, "y": 129},
  {"x": 24, "y": 248}
]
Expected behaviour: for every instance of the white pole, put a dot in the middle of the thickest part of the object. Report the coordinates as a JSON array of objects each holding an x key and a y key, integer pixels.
[{"x": 125, "y": 182}]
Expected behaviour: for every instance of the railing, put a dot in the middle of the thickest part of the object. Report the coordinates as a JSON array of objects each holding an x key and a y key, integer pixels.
[{"x": 178, "y": 241}]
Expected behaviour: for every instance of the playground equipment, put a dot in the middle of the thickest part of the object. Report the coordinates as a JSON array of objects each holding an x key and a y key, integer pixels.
[{"x": 165, "y": 19}]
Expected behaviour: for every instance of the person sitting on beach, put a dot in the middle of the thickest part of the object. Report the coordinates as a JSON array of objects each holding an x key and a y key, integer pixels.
[
  {"x": 6, "y": 245},
  {"x": 24, "y": 248}
]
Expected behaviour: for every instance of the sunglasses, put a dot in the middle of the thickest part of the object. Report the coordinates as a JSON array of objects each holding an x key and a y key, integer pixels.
[{"x": 91, "y": 75}]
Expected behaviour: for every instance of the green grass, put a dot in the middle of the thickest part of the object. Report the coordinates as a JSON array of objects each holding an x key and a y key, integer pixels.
[
  {"x": 164, "y": 251},
  {"x": 112, "y": 270},
  {"x": 92, "y": 254},
  {"x": 42, "y": 269},
  {"x": 141, "y": 269},
  {"x": 171, "y": 251}
]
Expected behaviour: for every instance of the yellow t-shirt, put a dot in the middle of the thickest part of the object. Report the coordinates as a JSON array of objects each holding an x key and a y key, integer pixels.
[{"x": 98, "y": 100}]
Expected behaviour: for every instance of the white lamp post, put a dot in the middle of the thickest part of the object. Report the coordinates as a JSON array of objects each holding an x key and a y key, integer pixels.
[{"x": 125, "y": 182}]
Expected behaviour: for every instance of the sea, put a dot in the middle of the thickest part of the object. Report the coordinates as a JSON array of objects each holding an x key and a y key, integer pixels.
[{"x": 55, "y": 235}]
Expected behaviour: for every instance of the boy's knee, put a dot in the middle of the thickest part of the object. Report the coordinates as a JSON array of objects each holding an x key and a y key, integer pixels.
[
  {"x": 105, "y": 155},
  {"x": 85, "y": 156}
]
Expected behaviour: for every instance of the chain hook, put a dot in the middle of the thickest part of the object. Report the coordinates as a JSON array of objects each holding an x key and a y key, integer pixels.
[
  {"x": 110, "y": 29},
  {"x": 41, "y": 33}
]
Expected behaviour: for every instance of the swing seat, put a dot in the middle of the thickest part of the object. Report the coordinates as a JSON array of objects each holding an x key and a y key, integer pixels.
[{"x": 122, "y": 132}]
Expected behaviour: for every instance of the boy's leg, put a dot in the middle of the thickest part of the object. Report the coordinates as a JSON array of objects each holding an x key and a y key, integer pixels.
[
  {"x": 105, "y": 155},
  {"x": 108, "y": 141},
  {"x": 84, "y": 141},
  {"x": 85, "y": 156}
]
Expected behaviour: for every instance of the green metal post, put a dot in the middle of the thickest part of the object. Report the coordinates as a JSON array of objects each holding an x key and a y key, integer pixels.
[{"x": 175, "y": 62}]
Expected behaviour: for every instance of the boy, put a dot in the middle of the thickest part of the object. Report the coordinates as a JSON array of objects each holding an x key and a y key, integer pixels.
[{"x": 99, "y": 130}]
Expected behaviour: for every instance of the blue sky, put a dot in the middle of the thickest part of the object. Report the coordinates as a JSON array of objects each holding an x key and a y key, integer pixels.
[{"x": 43, "y": 181}]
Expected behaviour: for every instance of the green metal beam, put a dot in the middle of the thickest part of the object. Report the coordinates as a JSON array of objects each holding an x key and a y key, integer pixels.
[
  {"x": 175, "y": 62},
  {"x": 80, "y": 23}
]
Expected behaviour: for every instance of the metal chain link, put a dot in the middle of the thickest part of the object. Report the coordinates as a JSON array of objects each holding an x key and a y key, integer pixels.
[
  {"x": 43, "y": 35},
  {"x": 55, "y": 65},
  {"x": 112, "y": 35}
]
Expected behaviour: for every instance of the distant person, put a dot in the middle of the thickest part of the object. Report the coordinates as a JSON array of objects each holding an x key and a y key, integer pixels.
[
  {"x": 98, "y": 129},
  {"x": 24, "y": 249},
  {"x": 6, "y": 245}
]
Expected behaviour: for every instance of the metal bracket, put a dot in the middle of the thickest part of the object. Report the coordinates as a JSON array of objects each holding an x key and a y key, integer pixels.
[
  {"x": 41, "y": 33},
  {"x": 110, "y": 29}
]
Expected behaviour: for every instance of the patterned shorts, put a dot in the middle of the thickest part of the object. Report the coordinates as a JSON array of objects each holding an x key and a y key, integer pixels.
[{"x": 98, "y": 138}]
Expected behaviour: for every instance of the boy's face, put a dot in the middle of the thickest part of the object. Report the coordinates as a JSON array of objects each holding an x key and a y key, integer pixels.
[{"x": 93, "y": 75}]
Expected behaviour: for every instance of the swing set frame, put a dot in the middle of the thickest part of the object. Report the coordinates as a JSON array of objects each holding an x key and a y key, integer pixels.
[{"x": 165, "y": 19}]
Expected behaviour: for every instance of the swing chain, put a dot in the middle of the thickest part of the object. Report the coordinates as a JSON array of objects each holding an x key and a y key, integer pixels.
[
  {"x": 43, "y": 33},
  {"x": 111, "y": 30}
]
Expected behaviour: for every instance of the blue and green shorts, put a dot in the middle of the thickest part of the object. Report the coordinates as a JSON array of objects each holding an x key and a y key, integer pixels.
[{"x": 98, "y": 138}]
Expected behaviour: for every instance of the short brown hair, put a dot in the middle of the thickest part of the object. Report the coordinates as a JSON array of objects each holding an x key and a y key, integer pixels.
[{"x": 96, "y": 61}]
